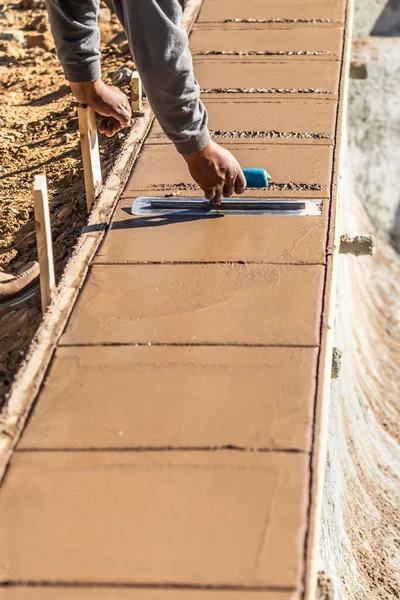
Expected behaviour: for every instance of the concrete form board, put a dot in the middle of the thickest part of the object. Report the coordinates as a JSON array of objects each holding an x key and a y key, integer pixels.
[
  {"x": 115, "y": 593},
  {"x": 292, "y": 163},
  {"x": 277, "y": 38},
  {"x": 292, "y": 73},
  {"x": 219, "y": 10},
  {"x": 199, "y": 304},
  {"x": 161, "y": 397},
  {"x": 268, "y": 239},
  {"x": 307, "y": 116},
  {"x": 182, "y": 518}
]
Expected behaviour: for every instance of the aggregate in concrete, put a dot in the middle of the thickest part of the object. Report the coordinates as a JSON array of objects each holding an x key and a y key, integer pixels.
[
  {"x": 275, "y": 73},
  {"x": 159, "y": 397},
  {"x": 269, "y": 239},
  {"x": 158, "y": 168},
  {"x": 276, "y": 38},
  {"x": 287, "y": 116},
  {"x": 211, "y": 518},
  {"x": 288, "y": 190},
  {"x": 220, "y": 10},
  {"x": 199, "y": 304}
]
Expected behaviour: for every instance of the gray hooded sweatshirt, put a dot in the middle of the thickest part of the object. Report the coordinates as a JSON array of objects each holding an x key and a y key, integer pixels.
[{"x": 160, "y": 49}]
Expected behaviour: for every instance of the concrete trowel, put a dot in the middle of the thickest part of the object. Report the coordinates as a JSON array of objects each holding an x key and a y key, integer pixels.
[{"x": 255, "y": 179}]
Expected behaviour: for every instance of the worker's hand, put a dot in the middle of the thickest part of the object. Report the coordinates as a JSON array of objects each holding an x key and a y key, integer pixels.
[
  {"x": 217, "y": 172},
  {"x": 109, "y": 102}
]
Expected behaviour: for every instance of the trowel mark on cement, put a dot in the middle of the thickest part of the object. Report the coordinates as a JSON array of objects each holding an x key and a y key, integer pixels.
[
  {"x": 265, "y": 91},
  {"x": 290, "y": 186},
  {"x": 264, "y": 53},
  {"x": 273, "y": 134},
  {"x": 280, "y": 21},
  {"x": 295, "y": 186}
]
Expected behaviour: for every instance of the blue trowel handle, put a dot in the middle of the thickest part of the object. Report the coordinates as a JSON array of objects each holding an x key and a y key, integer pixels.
[{"x": 256, "y": 178}]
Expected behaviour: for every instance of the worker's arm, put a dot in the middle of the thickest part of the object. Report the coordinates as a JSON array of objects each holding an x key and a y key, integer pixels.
[
  {"x": 161, "y": 52},
  {"x": 77, "y": 38},
  {"x": 164, "y": 62}
]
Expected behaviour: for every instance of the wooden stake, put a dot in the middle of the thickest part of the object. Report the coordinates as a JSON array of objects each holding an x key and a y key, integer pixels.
[
  {"x": 90, "y": 153},
  {"x": 137, "y": 93},
  {"x": 43, "y": 239}
]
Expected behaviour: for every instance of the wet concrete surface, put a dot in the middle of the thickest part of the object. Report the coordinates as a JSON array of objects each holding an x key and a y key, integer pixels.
[
  {"x": 199, "y": 304},
  {"x": 174, "y": 501},
  {"x": 220, "y": 10},
  {"x": 201, "y": 387},
  {"x": 294, "y": 74},
  {"x": 171, "y": 444},
  {"x": 115, "y": 593},
  {"x": 327, "y": 41},
  {"x": 272, "y": 239},
  {"x": 160, "y": 168},
  {"x": 296, "y": 119}
]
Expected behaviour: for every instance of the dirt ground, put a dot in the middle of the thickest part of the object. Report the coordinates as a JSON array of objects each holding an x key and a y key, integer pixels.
[{"x": 39, "y": 134}]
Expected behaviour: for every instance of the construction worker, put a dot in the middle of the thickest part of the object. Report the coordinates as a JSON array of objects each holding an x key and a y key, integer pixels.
[{"x": 160, "y": 50}]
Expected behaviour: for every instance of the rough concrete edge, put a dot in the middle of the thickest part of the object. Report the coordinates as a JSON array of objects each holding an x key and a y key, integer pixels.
[
  {"x": 32, "y": 372},
  {"x": 321, "y": 414}
]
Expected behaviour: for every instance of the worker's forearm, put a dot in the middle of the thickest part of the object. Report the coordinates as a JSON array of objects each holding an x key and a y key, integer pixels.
[
  {"x": 161, "y": 53},
  {"x": 77, "y": 37}
]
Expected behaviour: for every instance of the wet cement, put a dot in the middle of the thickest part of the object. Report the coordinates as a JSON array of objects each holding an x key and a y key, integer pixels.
[
  {"x": 296, "y": 73},
  {"x": 199, "y": 304},
  {"x": 171, "y": 444},
  {"x": 121, "y": 593},
  {"x": 200, "y": 385},
  {"x": 192, "y": 239},
  {"x": 270, "y": 118},
  {"x": 160, "y": 169},
  {"x": 318, "y": 41},
  {"x": 220, "y": 10}
]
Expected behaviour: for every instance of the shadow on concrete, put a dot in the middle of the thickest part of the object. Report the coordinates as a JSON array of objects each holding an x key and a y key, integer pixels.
[
  {"x": 140, "y": 222},
  {"x": 149, "y": 221},
  {"x": 395, "y": 233},
  {"x": 388, "y": 23}
]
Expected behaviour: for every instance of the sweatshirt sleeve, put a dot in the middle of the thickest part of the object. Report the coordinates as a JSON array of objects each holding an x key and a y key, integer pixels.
[
  {"x": 77, "y": 37},
  {"x": 161, "y": 52}
]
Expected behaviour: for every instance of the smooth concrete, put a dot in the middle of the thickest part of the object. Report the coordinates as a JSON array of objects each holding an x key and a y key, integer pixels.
[
  {"x": 219, "y": 10},
  {"x": 274, "y": 38},
  {"x": 159, "y": 167},
  {"x": 176, "y": 397},
  {"x": 115, "y": 593},
  {"x": 284, "y": 115},
  {"x": 234, "y": 518},
  {"x": 317, "y": 77},
  {"x": 221, "y": 355},
  {"x": 199, "y": 304},
  {"x": 269, "y": 239}
]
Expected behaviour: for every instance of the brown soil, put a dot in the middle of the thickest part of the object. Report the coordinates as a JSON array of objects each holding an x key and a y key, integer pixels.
[{"x": 39, "y": 133}]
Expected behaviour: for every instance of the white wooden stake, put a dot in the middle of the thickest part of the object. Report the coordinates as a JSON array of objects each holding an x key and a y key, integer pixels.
[
  {"x": 137, "y": 93},
  {"x": 43, "y": 239},
  {"x": 90, "y": 153}
]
